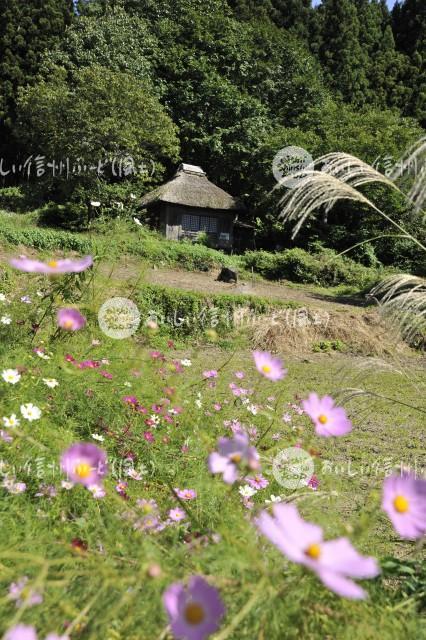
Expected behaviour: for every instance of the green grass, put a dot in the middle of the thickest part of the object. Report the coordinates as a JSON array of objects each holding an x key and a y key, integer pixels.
[
  {"x": 114, "y": 238},
  {"x": 106, "y": 592}
]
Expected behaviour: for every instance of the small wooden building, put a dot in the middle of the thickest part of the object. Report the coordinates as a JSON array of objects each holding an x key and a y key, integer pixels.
[{"x": 190, "y": 204}]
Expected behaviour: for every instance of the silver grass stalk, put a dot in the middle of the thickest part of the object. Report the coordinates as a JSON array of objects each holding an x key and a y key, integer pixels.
[
  {"x": 351, "y": 170},
  {"x": 415, "y": 156},
  {"x": 316, "y": 189},
  {"x": 402, "y": 298}
]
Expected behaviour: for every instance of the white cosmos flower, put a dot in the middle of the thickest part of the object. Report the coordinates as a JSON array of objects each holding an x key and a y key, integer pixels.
[
  {"x": 11, "y": 422},
  {"x": 97, "y": 436},
  {"x": 274, "y": 499},
  {"x": 3, "y": 297},
  {"x": 42, "y": 355},
  {"x": 5, "y": 319},
  {"x": 50, "y": 382},
  {"x": 30, "y": 411},
  {"x": 247, "y": 491},
  {"x": 186, "y": 362},
  {"x": 12, "y": 376},
  {"x": 67, "y": 485}
]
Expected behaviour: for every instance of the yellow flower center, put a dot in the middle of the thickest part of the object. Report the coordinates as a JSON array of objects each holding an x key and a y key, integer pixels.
[
  {"x": 322, "y": 418},
  {"x": 313, "y": 551},
  {"x": 401, "y": 504},
  {"x": 68, "y": 324},
  {"x": 266, "y": 368},
  {"x": 83, "y": 470},
  {"x": 147, "y": 508},
  {"x": 52, "y": 263},
  {"x": 236, "y": 457},
  {"x": 194, "y": 613}
]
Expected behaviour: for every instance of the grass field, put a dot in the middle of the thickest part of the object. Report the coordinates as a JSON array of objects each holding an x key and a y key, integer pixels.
[{"x": 101, "y": 564}]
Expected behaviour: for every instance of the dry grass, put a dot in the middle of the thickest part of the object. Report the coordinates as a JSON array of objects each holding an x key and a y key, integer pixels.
[{"x": 364, "y": 333}]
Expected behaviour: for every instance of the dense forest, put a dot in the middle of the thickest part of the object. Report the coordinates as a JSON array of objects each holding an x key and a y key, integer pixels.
[{"x": 101, "y": 99}]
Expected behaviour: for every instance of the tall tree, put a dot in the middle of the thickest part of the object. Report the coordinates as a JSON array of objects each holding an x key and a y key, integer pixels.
[
  {"x": 341, "y": 53},
  {"x": 409, "y": 26},
  {"x": 27, "y": 29},
  {"x": 295, "y": 16}
]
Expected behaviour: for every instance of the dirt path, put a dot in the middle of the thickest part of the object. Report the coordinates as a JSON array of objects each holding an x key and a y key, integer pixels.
[{"x": 207, "y": 283}]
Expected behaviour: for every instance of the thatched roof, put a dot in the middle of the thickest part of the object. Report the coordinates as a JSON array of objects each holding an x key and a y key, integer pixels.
[{"x": 190, "y": 187}]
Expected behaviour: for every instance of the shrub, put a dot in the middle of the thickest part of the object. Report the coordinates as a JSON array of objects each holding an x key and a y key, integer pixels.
[
  {"x": 68, "y": 216},
  {"x": 12, "y": 199},
  {"x": 323, "y": 268}
]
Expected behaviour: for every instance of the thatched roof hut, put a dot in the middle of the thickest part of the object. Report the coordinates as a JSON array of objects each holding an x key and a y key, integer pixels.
[{"x": 189, "y": 204}]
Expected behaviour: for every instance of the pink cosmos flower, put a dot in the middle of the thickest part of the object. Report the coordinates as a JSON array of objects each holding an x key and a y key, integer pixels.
[
  {"x": 313, "y": 482},
  {"x": 239, "y": 375},
  {"x": 211, "y": 373},
  {"x": 70, "y": 319},
  {"x": 121, "y": 488},
  {"x": 21, "y": 632},
  {"x": 186, "y": 494},
  {"x": 232, "y": 453},
  {"x": 257, "y": 482},
  {"x": 334, "y": 561},
  {"x": 97, "y": 491},
  {"x": 53, "y": 266},
  {"x": 270, "y": 367},
  {"x": 328, "y": 419},
  {"x": 19, "y": 592},
  {"x": 84, "y": 463},
  {"x": 177, "y": 514},
  {"x": 404, "y": 500},
  {"x": 194, "y": 611}
]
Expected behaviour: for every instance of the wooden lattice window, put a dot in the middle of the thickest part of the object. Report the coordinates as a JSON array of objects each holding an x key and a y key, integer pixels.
[{"x": 196, "y": 223}]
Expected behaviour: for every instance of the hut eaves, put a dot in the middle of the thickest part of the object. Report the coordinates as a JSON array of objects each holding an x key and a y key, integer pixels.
[{"x": 190, "y": 187}]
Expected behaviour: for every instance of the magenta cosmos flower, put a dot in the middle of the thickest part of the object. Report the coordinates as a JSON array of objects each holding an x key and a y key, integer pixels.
[
  {"x": 84, "y": 463},
  {"x": 404, "y": 500},
  {"x": 328, "y": 419},
  {"x": 334, "y": 561},
  {"x": 231, "y": 454},
  {"x": 53, "y": 266},
  {"x": 70, "y": 319},
  {"x": 195, "y": 611},
  {"x": 270, "y": 367}
]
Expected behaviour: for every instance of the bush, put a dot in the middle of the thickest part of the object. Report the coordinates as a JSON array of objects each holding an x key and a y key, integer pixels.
[
  {"x": 12, "y": 199},
  {"x": 324, "y": 268},
  {"x": 68, "y": 216}
]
